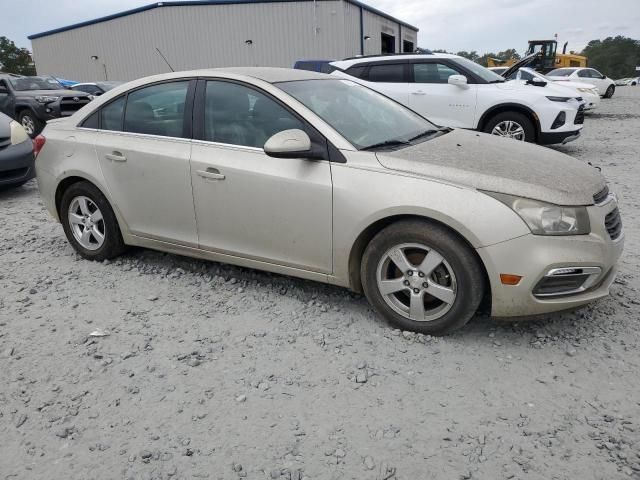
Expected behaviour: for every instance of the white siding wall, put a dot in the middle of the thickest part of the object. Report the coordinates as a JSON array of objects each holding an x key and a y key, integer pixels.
[{"x": 208, "y": 36}]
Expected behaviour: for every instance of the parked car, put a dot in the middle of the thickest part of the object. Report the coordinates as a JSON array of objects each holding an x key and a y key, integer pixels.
[
  {"x": 606, "y": 87},
  {"x": 16, "y": 154},
  {"x": 322, "y": 66},
  {"x": 318, "y": 177},
  {"x": 588, "y": 92},
  {"x": 453, "y": 91},
  {"x": 498, "y": 70},
  {"x": 96, "y": 89},
  {"x": 623, "y": 82},
  {"x": 34, "y": 100}
]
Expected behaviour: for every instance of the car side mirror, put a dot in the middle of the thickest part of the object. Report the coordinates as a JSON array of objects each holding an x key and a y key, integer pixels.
[
  {"x": 459, "y": 80},
  {"x": 537, "y": 82},
  {"x": 293, "y": 143}
]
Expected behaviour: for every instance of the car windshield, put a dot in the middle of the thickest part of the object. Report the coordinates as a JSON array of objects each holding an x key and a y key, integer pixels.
[
  {"x": 484, "y": 73},
  {"x": 35, "y": 83},
  {"x": 365, "y": 118},
  {"x": 560, "y": 72}
]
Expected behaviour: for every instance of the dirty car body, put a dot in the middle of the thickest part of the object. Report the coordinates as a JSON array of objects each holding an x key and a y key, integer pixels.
[{"x": 304, "y": 174}]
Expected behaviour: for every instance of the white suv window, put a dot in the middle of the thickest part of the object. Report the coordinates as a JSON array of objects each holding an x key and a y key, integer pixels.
[
  {"x": 432, "y": 73},
  {"x": 387, "y": 73}
]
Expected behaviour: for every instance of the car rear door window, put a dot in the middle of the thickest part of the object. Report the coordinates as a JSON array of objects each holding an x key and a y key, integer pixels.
[
  {"x": 432, "y": 72},
  {"x": 111, "y": 115},
  {"x": 387, "y": 73},
  {"x": 157, "y": 109},
  {"x": 238, "y": 115}
]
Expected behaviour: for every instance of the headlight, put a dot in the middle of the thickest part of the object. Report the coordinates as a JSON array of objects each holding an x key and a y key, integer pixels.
[
  {"x": 18, "y": 134},
  {"x": 559, "y": 99},
  {"x": 545, "y": 218},
  {"x": 46, "y": 98},
  {"x": 587, "y": 90}
]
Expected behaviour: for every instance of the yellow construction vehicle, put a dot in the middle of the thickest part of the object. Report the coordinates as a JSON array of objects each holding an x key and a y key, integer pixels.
[{"x": 547, "y": 59}]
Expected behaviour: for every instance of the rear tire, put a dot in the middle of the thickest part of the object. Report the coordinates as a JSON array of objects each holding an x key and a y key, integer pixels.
[
  {"x": 610, "y": 91},
  {"x": 32, "y": 125},
  {"x": 443, "y": 290},
  {"x": 511, "y": 125},
  {"x": 89, "y": 223}
]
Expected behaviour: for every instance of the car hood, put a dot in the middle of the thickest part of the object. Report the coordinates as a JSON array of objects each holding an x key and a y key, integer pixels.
[{"x": 487, "y": 162}]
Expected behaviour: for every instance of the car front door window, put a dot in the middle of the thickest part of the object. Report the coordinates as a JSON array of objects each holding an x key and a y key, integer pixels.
[
  {"x": 239, "y": 115},
  {"x": 432, "y": 73}
]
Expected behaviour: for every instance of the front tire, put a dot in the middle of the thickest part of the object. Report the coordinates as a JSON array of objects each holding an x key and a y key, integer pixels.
[
  {"x": 610, "y": 91},
  {"x": 89, "y": 223},
  {"x": 31, "y": 124},
  {"x": 421, "y": 277},
  {"x": 513, "y": 125}
]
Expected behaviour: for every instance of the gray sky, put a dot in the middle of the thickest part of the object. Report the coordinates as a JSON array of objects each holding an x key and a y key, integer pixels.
[{"x": 481, "y": 25}]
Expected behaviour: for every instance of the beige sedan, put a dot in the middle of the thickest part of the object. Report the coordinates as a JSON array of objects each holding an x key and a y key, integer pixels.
[{"x": 307, "y": 175}]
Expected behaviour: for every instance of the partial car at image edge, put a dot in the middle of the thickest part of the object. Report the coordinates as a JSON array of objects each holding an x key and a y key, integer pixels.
[
  {"x": 316, "y": 176},
  {"x": 16, "y": 154}
]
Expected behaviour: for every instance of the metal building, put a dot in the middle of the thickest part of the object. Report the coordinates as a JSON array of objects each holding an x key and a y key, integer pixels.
[{"x": 217, "y": 33}]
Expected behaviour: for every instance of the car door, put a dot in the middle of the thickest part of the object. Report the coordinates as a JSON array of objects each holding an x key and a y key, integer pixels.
[
  {"x": 389, "y": 78},
  {"x": 444, "y": 104},
  {"x": 250, "y": 205},
  {"x": 599, "y": 81},
  {"x": 585, "y": 76},
  {"x": 144, "y": 146}
]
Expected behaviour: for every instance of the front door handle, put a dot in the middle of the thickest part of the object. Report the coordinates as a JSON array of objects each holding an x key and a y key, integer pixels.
[
  {"x": 211, "y": 173},
  {"x": 115, "y": 156},
  {"x": 418, "y": 92}
]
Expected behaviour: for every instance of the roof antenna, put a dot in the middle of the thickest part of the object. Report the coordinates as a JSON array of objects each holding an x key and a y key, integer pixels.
[{"x": 165, "y": 59}]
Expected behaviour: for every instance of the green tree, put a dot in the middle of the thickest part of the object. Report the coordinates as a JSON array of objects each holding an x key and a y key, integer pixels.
[
  {"x": 616, "y": 57},
  {"x": 472, "y": 55},
  {"x": 14, "y": 59}
]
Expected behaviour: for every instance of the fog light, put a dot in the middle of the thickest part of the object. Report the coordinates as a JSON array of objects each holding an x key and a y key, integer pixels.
[
  {"x": 566, "y": 281},
  {"x": 559, "y": 121}
]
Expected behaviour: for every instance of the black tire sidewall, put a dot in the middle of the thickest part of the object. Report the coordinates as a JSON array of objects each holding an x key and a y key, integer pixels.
[
  {"x": 521, "y": 119},
  {"x": 610, "y": 91},
  {"x": 463, "y": 261},
  {"x": 37, "y": 124},
  {"x": 113, "y": 244}
]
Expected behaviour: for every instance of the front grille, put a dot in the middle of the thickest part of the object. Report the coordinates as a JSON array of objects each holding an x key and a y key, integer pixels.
[
  {"x": 613, "y": 224},
  {"x": 14, "y": 174},
  {"x": 579, "y": 116},
  {"x": 601, "y": 196},
  {"x": 68, "y": 105},
  {"x": 4, "y": 142}
]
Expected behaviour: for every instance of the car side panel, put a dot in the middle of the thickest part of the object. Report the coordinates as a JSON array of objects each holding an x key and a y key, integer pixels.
[{"x": 361, "y": 197}]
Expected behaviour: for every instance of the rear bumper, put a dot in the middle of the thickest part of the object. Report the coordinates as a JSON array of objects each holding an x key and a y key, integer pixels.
[
  {"x": 16, "y": 164},
  {"x": 549, "y": 138}
]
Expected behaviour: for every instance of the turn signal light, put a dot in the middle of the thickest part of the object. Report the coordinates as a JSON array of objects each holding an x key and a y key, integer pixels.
[{"x": 510, "y": 279}]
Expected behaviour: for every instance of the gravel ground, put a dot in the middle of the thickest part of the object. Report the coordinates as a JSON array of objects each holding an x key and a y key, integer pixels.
[{"x": 212, "y": 371}]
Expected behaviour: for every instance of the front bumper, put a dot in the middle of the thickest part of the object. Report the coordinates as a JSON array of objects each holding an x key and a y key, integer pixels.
[
  {"x": 532, "y": 256},
  {"x": 16, "y": 164},
  {"x": 550, "y": 138}
]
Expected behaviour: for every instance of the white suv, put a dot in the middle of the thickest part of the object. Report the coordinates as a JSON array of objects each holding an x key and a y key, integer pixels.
[
  {"x": 455, "y": 92},
  {"x": 604, "y": 84}
]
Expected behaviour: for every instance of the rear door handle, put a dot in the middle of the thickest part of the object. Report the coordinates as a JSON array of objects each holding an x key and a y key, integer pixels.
[
  {"x": 211, "y": 173},
  {"x": 418, "y": 92},
  {"x": 115, "y": 156}
]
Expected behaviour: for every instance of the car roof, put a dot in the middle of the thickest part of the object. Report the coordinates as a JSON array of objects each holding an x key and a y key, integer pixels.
[{"x": 349, "y": 62}]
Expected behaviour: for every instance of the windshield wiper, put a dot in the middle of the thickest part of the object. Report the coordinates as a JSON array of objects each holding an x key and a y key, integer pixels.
[
  {"x": 497, "y": 81},
  {"x": 386, "y": 143},
  {"x": 424, "y": 134}
]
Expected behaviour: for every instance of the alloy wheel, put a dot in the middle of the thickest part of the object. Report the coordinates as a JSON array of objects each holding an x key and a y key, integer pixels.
[
  {"x": 86, "y": 222},
  {"x": 509, "y": 129},
  {"x": 28, "y": 125},
  {"x": 416, "y": 282}
]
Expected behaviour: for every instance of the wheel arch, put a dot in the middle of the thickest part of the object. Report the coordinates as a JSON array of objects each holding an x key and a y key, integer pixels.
[
  {"x": 364, "y": 238},
  {"x": 510, "y": 107},
  {"x": 72, "y": 179}
]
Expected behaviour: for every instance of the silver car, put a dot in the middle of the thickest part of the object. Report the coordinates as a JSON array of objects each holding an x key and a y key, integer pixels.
[{"x": 304, "y": 174}]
